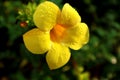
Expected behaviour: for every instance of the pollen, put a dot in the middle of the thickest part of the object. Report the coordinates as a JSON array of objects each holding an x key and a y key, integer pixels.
[{"x": 57, "y": 33}]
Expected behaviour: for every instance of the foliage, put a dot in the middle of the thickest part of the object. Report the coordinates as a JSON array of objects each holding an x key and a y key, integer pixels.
[{"x": 99, "y": 59}]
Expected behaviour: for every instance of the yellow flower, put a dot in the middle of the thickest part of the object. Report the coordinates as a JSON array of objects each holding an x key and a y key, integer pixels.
[{"x": 56, "y": 32}]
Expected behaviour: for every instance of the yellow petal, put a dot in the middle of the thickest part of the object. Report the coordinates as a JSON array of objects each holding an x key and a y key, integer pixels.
[
  {"x": 36, "y": 41},
  {"x": 46, "y": 15},
  {"x": 69, "y": 16},
  {"x": 57, "y": 56},
  {"x": 75, "y": 37}
]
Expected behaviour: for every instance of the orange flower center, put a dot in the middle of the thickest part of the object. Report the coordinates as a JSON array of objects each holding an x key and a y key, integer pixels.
[{"x": 56, "y": 33}]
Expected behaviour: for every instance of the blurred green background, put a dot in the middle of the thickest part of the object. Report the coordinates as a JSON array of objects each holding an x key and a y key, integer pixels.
[{"x": 98, "y": 60}]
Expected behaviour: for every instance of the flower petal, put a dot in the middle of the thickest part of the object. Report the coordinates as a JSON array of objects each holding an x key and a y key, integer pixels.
[
  {"x": 75, "y": 37},
  {"x": 69, "y": 16},
  {"x": 36, "y": 41},
  {"x": 46, "y": 15},
  {"x": 57, "y": 56}
]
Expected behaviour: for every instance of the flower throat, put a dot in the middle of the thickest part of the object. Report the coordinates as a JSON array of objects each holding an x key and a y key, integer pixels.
[{"x": 57, "y": 33}]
